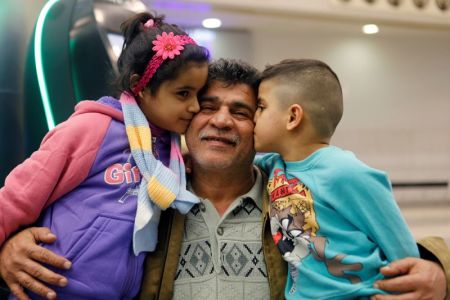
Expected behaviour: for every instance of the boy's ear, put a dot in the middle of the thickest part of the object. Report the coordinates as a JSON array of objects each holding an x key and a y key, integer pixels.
[{"x": 295, "y": 116}]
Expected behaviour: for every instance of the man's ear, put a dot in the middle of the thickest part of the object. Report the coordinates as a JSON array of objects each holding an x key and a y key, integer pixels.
[{"x": 295, "y": 117}]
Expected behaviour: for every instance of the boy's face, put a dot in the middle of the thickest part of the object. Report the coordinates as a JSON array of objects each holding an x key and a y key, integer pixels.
[{"x": 270, "y": 118}]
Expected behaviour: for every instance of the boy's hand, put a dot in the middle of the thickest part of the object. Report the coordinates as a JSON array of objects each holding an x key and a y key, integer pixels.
[
  {"x": 413, "y": 278},
  {"x": 21, "y": 263}
]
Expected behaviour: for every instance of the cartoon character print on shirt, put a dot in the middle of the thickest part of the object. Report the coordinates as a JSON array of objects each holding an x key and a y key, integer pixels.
[{"x": 294, "y": 227}]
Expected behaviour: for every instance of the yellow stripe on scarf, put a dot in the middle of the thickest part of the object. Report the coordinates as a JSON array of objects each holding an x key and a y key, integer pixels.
[
  {"x": 139, "y": 137},
  {"x": 161, "y": 195}
]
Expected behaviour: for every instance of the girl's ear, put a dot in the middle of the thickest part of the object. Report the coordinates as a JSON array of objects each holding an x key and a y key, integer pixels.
[
  {"x": 295, "y": 116},
  {"x": 134, "y": 80}
]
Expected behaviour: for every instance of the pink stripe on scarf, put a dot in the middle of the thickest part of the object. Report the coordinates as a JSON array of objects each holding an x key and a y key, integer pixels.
[{"x": 126, "y": 98}]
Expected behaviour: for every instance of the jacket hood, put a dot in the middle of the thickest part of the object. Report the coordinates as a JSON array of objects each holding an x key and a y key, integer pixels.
[{"x": 105, "y": 105}]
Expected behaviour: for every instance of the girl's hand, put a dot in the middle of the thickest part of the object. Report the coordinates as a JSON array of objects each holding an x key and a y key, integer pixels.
[{"x": 21, "y": 260}]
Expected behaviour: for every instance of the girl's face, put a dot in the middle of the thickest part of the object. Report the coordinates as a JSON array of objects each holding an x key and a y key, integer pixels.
[{"x": 175, "y": 102}]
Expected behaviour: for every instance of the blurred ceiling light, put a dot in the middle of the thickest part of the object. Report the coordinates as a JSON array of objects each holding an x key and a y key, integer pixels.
[
  {"x": 370, "y": 29},
  {"x": 211, "y": 23}
]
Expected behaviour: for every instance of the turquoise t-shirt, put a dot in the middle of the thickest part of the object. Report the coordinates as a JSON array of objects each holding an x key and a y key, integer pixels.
[{"x": 336, "y": 222}]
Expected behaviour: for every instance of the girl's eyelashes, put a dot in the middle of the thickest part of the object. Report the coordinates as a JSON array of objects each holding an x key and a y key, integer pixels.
[{"x": 183, "y": 94}]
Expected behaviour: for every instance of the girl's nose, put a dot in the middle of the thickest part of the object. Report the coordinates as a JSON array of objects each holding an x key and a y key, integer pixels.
[{"x": 194, "y": 107}]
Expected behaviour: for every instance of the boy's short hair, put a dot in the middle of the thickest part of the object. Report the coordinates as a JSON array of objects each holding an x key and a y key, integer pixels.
[{"x": 312, "y": 84}]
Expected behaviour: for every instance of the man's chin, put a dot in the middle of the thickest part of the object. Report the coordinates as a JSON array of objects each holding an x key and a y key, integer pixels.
[{"x": 213, "y": 161}]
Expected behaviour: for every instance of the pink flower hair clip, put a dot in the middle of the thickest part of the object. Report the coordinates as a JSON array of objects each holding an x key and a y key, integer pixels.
[{"x": 166, "y": 46}]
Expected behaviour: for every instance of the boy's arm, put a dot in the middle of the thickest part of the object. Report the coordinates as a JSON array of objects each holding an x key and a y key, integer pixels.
[
  {"x": 413, "y": 278},
  {"x": 364, "y": 197}
]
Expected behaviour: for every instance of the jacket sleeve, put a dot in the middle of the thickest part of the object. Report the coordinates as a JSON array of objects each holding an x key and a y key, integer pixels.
[
  {"x": 435, "y": 249},
  {"x": 60, "y": 164}
]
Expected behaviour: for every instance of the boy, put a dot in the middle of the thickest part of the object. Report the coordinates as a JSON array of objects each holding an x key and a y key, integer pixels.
[{"x": 333, "y": 218}]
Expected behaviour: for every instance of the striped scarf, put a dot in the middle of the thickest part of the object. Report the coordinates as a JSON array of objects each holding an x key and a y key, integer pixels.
[{"x": 160, "y": 186}]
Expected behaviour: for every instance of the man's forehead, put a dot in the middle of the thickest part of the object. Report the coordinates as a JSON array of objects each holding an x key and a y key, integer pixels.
[{"x": 232, "y": 94}]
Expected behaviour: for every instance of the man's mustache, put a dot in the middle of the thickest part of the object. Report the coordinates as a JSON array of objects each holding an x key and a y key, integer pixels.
[{"x": 219, "y": 135}]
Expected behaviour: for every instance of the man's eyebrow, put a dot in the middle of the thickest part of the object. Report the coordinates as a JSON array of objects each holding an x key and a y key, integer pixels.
[
  {"x": 209, "y": 98},
  {"x": 235, "y": 104}
]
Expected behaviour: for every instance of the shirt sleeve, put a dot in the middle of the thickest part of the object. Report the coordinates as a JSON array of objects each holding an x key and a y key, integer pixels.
[{"x": 61, "y": 163}]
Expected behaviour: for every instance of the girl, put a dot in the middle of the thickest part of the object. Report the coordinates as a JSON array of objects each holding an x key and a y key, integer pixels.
[{"x": 100, "y": 179}]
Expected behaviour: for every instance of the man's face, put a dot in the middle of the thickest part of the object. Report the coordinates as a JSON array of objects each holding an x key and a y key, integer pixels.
[{"x": 220, "y": 136}]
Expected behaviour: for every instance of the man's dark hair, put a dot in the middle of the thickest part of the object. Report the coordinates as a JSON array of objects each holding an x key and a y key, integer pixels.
[{"x": 231, "y": 72}]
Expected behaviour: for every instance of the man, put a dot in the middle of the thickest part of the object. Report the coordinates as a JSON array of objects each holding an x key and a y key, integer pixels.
[{"x": 222, "y": 249}]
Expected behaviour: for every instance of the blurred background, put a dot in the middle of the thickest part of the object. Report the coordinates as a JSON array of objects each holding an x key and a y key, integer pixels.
[{"x": 392, "y": 57}]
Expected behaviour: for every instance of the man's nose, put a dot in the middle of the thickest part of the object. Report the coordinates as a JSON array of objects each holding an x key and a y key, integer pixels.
[{"x": 222, "y": 118}]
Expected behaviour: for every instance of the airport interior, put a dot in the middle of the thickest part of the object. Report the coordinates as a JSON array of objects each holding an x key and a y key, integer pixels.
[{"x": 392, "y": 58}]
